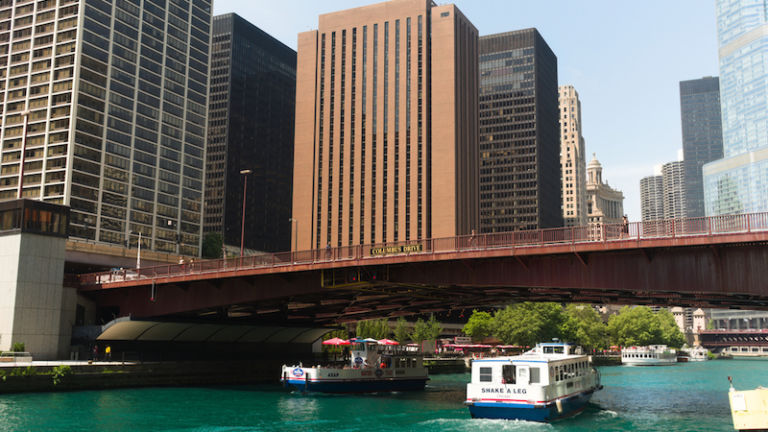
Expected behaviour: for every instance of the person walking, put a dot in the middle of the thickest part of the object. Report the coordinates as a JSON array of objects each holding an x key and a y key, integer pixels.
[{"x": 108, "y": 353}]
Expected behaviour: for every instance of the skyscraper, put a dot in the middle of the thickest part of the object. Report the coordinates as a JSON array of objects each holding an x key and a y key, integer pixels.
[
  {"x": 252, "y": 108},
  {"x": 702, "y": 136},
  {"x": 738, "y": 183},
  {"x": 652, "y": 198},
  {"x": 573, "y": 163},
  {"x": 673, "y": 186},
  {"x": 386, "y": 126},
  {"x": 104, "y": 110},
  {"x": 520, "y": 176}
]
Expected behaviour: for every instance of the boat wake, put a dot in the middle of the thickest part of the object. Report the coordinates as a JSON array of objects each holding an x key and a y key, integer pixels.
[{"x": 482, "y": 425}]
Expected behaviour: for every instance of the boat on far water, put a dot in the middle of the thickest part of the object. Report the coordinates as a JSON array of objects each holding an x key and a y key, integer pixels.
[
  {"x": 749, "y": 408},
  {"x": 549, "y": 382},
  {"x": 695, "y": 354},
  {"x": 651, "y": 355},
  {"x": 372, "y": 367}
]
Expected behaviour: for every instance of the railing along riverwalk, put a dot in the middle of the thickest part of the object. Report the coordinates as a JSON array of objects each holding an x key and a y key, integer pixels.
[{"x": 593, "y": 233}]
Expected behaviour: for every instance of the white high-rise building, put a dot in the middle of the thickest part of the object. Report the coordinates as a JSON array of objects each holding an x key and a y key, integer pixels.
[
  {"x": 104, "y": 106},
  {"x": 572, "y": 158}
]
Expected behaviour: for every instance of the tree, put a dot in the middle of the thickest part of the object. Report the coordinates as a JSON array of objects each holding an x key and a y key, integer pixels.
[
  {"x": 528, "y": 323},
  {"x": 670, "y": 332},
  {"x": 426, "y": 330},
  {"x": 402, "y": 332},
  {"x": 640, "y": 326},
  {"x": 377, "y": 329},
  {"x": 583, "y": 326},
  {"x": 212, "y": 245},
  {"x": 479, "y": 326}
]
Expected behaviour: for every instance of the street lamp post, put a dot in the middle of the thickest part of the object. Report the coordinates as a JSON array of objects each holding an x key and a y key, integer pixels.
[{"x": 245, "y": 173}]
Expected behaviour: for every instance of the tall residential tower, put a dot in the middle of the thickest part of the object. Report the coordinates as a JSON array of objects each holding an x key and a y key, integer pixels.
[
  {"x": 738, "y": 183},
  {"x": 253, "y": 93},
  {"x": 520, "y": 177},
  {"x": 104, "y": 107},
  {"x": 386, "y": 126}
]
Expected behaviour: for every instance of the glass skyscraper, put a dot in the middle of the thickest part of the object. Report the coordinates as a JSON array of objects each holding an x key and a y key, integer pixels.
[
  {"x": 738, "y": 183},
  {"x": 252, "y": 111},
  {"x": 702, "y": 136},
  {"x": 520, "y": 175},
  {"x": 104, "y": 106}
]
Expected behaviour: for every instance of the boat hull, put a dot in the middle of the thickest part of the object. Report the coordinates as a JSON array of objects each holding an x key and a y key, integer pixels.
[
  {"x": 358, "y": 386},
  {"x": 548, "y": 412}
]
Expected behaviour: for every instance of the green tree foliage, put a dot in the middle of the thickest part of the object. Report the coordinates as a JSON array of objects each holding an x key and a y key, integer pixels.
[
  {"x": 18, "y": 347},
  {"x": 59, "y": 373},
  {"x": 479, "y": 326},
  {"x": 583, "y": 326},
  {"x": 670, "y": 332},
  {"x": 212, "y": 243},
  {"x": 528, "y": 323},
  {"x": 402, "y": 332},
  {"x": 341, "y": 334},
  {"x": 640, "y": 326},
  {"x": 426, "y": 330},
  {"x": 377, "y": 329}
]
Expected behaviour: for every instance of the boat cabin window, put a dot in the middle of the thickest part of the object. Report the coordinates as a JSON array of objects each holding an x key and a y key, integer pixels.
[
  {"x": 486, "y": 374},
  {"x": 553, "y": 349},
  {"x": 508, "y": 374},
  {"x": 534, "y": 372}
]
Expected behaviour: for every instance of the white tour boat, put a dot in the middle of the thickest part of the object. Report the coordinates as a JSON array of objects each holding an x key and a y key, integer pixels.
[
  {"x": 651, "y": 355},
  {"x": 371, "y": 368},
  {"x": 695, "y": 354},
  {"x": 551, "y": 381}
]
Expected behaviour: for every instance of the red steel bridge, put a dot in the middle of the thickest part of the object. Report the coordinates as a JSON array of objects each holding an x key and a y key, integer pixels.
[{"x": 719, "y": 262}]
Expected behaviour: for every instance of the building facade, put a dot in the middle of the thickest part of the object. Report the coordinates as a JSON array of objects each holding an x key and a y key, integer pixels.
[
  {"x": 673, "y": 189},
  {"x": 652, "y": 198},
  {"x": 702, "y": 136},
  {"x": 605, "y": 205},
  {"x": 386, "y": 126},
  {"x": 520, "y": 176},
  {"x": 573, "y": 163},
  {"x": 104, "y": 109},
  {"x": 738, "y": 183},
  {"x": 252, "y": 108}
]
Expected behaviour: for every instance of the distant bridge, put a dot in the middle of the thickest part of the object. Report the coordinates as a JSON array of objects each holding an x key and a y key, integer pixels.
[{"x": 717, "y": 262}]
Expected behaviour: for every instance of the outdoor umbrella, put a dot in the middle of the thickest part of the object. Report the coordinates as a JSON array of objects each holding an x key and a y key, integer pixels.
[
  {"x": 336, "y": 341},
  {"x": 388, "y": 342}
]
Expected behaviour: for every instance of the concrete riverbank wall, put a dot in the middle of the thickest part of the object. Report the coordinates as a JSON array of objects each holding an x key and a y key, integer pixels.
[{"x": 20, "y": 379}]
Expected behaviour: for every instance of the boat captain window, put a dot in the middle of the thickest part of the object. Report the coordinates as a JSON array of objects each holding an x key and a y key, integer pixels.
[
  {"x": 508, "y": 374},
  {"x": 535, "y": 379},
  {"x": 486, "y": 374}
]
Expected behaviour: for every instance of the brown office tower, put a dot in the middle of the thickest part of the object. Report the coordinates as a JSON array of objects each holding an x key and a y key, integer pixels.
[{"x": 386, "y": 126}]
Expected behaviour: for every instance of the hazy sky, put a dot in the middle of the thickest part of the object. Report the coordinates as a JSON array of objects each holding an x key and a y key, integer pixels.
[{"x": 625, "y": 58}]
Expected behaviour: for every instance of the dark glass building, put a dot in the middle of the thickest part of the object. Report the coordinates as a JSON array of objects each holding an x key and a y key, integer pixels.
[
  {"x": 520, "y": 175},
  {"x": 702, "y": 136},
  {"x": 251, "y": 124}
]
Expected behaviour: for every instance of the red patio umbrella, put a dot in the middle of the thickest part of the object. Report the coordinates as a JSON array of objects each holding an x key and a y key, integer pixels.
[
  {"x": 336, "y": 341},
  {"x": 388, "y": 342}
]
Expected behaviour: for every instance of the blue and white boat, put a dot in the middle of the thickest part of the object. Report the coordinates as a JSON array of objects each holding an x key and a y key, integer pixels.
[
  {"x": 551, "y": 381},
  {"x": 371, "y": 368}
]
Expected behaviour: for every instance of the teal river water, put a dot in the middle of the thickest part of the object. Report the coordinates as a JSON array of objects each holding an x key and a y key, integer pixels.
[{"x": 685, "y": 397}]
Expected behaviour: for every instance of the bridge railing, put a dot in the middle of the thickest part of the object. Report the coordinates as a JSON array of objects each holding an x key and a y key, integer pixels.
[{"x": 592, "y": 233}]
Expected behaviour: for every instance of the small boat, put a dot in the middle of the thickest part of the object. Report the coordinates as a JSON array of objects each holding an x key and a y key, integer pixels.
[
  {"x": 372, "y": 367},
  {"x": 651, "y": 355},
  {"x": 552, "y": 381},
  {"x": 696, "y": 354},
  {"x": 749, "y": 408}
]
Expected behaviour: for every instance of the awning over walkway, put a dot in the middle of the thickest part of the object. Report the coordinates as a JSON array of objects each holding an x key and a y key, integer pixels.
[{"x": 158, "y": 331}]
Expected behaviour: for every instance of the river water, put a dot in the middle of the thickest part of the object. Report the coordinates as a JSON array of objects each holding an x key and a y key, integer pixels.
[{"x": 684, "y": 397}]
